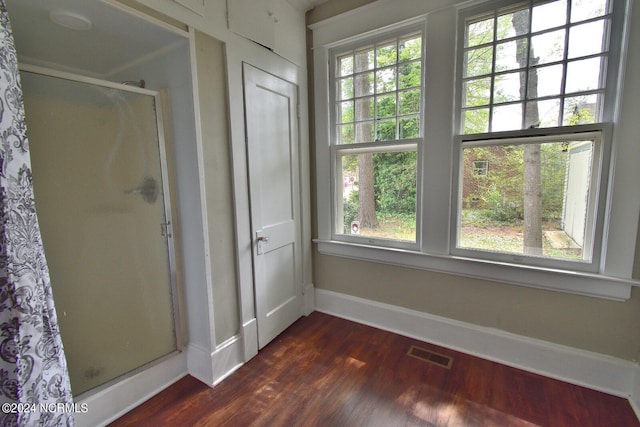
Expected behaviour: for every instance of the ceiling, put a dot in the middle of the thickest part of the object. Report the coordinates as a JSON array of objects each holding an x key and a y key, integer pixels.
[{"x": 115, "y": 40}]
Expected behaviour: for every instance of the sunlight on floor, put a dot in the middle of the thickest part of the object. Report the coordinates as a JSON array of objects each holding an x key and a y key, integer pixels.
[
  {"x": 455, "y": 413},
  {"x": 351, "y": 361}
]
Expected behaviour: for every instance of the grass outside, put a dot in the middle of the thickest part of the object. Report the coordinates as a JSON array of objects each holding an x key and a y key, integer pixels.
[
  {"x": 392, "y": 228},
  {"x": 478, "y": 232}
]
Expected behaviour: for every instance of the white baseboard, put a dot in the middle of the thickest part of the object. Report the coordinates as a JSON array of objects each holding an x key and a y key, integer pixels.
[
  {"x": 250, "y": 338},
  {"x": 226, "y": 358},
  {"x": 213, "y": 367},
  {"x": 589, "y": 369},
  {"x": 199, "y": 363},
  {"x": 634, "y": 399},
  {"x": 114, "y": 401},
  {"x": 309, "y": 299}
]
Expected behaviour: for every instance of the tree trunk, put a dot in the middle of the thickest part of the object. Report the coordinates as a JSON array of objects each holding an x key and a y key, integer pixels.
[
  {"x": 532, "y": 200},
  {"x": 367, "y": 212},
  {"x": 532, "y": 174},
  {"x": 367, "y": 200}
]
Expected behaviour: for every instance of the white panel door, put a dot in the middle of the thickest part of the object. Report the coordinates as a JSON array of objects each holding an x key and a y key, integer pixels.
[{"x": 274, "y": 190}]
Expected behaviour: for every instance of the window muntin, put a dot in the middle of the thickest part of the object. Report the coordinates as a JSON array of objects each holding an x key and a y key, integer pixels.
[
  {"x": 479, "y": 168},
  {"x": 535, "y": 64},
  {"x": 377, "y": 121},
  {"x": 492, "y": 210},
  {"x": 529, "y": 70},
  {"x": 378, "y": 91}
]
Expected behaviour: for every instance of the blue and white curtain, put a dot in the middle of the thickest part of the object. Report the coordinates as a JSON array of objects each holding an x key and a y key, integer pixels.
[{"x": 34, "y": 382}]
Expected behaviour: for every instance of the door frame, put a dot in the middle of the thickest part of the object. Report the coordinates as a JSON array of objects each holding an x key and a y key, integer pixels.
[{"x": 261, "y": 58}]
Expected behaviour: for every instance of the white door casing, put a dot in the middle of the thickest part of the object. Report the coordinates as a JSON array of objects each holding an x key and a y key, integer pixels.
[{"x": 271, "y": 120}]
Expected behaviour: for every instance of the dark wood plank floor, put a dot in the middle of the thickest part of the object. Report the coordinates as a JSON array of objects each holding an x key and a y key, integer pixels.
[{"x": 326, "y": 371}]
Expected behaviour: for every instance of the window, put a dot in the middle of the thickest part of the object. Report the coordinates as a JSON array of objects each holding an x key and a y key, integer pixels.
[
  {"x": 480, "y": 168},
  {"x": 500, "y": 82},
  {"x": 535, "y": 64},
  {"x": 533, "y": 68},
  {"x": 563, "y": 179},
  {"x": 377, "y": 100}
]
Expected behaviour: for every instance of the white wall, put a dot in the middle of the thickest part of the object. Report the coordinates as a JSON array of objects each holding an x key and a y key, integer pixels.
[
  {"x": 172, "y": 72},
  {"x": 214, "y": 357}
]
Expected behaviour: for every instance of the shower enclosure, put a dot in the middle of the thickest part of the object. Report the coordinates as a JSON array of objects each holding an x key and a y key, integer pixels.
[{"x": 100, "y": 180}]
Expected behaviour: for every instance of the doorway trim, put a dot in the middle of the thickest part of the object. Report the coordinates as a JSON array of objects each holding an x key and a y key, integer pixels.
[{"x": 265, "y": 60}]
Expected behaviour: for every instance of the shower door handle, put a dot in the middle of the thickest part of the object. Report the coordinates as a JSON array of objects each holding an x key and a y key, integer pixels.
[{"x": 165, "y": 229}]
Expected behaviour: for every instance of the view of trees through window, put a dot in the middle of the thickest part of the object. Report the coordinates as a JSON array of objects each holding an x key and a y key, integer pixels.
[
  {"x": 378, "y": 106},
  {"x": 532, "y": 65},
  {"x": 536, "y": 65},
  {"x": 493, "y": 204}
]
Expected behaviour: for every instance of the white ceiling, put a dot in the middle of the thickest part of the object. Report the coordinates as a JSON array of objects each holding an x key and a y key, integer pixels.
[{"x": 116, "y": 39}]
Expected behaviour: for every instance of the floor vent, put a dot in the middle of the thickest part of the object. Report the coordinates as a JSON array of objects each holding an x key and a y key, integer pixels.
[{"x": 431, "y": 357}]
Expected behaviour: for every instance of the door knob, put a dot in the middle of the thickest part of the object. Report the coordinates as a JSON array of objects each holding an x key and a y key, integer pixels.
[{"x": 262, "y": 240}]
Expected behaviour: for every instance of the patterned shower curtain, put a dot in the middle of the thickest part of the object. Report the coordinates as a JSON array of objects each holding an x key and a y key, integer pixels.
[{"x": 34, "y": 382}]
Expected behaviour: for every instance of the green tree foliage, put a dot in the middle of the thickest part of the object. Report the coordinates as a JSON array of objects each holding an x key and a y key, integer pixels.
[
  {"x": 554, "y": 166},
  {"x": 351, "y": 209},
  {"x": 500, "y": 192},
  {"x": 395, "y": 184},
  {"x": 398, "y": 118}
]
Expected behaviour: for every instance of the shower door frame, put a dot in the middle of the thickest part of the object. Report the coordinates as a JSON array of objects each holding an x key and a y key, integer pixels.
[{"x": 167, "y": 227}]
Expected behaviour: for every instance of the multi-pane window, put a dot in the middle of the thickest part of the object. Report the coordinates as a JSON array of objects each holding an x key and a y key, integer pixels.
[
  {"x": 532, "y": 103},
  {"x": 378, "y": 91},
  {"x": 489, "y": 151},
  {"x": 535, "y": 64},
  {"x": 377, "y": 101}
]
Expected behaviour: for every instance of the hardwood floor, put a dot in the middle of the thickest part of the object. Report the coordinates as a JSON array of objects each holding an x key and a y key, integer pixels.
[{"x": 326, "y": 371}]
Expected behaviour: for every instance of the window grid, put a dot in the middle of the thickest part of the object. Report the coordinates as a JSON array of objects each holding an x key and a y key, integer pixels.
[
  {"x": 386, "y": 86},
  {"x": 561, "y": 95},
  {"x": 377, "y": 115},
  {"x": 480, "y": 168}
]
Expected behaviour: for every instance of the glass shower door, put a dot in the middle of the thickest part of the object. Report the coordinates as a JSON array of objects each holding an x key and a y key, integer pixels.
[{"x": 98, "y": 171}]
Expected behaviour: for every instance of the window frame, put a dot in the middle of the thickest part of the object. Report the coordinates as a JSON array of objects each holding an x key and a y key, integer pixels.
[
  {"x": 613, "y": 281},
  {"x": 385, "y": 146},
  {"x": 480, "y": 168},
  {"x": 595, "y": 222},
  {"x": 608, "y": 102}
]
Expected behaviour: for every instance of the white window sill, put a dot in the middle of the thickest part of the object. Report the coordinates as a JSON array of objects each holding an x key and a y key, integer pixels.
[{"x": 588, "y": 284}]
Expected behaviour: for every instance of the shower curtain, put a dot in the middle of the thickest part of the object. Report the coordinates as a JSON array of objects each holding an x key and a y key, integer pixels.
[{"x": 34, "y": 383}]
